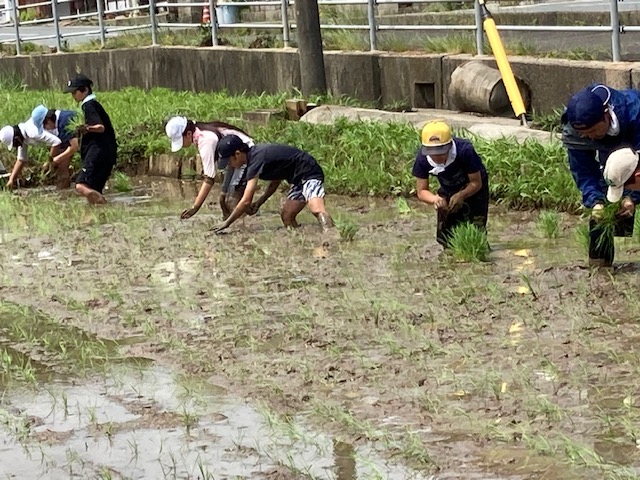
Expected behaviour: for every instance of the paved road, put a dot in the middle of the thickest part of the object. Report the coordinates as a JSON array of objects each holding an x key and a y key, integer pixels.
[
  {"x": 29, "y": 32},
  {"x": 572, "y": 6}
]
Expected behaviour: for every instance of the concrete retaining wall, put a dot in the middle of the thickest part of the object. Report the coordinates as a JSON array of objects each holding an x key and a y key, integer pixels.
[{"x": 421, "y": 80}]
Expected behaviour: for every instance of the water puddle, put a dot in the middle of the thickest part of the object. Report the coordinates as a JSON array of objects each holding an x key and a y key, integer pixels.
[{"x": 146, "y": 423}]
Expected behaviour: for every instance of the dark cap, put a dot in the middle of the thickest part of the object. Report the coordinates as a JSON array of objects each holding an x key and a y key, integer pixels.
[
  {"x": 78, "y": 82},
  {"x": 586, "y": 108},
  {"x": 227, "y": 147}
]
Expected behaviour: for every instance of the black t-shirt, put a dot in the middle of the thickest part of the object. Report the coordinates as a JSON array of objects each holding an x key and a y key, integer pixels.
[
  {"x": 271, "y": 161},
  {"x": 455, "y": 177},
  {"x": 103, "y": 144}
]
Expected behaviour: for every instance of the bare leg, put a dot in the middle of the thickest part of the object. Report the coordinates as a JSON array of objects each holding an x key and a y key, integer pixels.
[
  {"x": 92, "y": 196},
  {"x": 290, "y": 211},
  {"x": 316, "y": 205}
]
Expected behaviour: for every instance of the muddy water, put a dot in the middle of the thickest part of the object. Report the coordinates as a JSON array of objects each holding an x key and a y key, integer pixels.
[{"x": 262, "y": 353}]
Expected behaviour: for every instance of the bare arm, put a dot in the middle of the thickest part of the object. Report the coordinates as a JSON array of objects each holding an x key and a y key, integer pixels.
[
  {"x": 271, "y": 189},
  {"x": 243, "y": 204},
  {"x": 474, "y": 186}
]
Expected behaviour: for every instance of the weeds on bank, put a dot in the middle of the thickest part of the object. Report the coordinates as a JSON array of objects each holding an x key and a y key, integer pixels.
[
  {"x": 549, "y": 224},
  {"x": 468, "y": 243},
  {"x": 121, "y": 182}
]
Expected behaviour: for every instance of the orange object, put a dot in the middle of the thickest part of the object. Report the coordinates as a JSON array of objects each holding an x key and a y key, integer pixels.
[{"x": 206, "y": 15}]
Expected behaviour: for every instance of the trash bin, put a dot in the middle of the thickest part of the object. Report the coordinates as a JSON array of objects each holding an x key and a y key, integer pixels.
[{"x": 227, "y": 14}]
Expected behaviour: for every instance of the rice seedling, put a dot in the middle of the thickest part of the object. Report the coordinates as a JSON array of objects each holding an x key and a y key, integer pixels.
[
  {"x": 121, "y": 182},
  {"x": 549, "y": 224},
  {"x": 347, "y": 228},
  {"x": 468, "y": 243}
]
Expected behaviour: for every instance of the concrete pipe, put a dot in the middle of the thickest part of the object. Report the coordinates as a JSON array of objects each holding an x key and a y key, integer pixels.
[{"x": 477, "y": 87}]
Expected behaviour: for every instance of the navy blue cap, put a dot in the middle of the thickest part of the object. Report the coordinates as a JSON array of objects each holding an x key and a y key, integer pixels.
[
  {"x": 586, "y": 108},
  {"x": 227, "y": 147}
]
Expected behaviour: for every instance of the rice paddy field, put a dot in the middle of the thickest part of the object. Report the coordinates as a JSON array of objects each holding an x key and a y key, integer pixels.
[{"x": 134, "y": 345}]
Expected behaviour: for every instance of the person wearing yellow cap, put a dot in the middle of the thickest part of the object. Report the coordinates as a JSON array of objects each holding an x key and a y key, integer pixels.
[{"x": 463, "y": 195}]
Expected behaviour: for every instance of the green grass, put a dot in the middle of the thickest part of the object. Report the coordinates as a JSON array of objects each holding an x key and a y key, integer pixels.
[
  {"x": 549, "y": 224},
  {"x": 121, "y": 182},
  {"x": 469, "y": 243},
  {"x": 359, "y": 158},
  {"x": 348, "y": 229}
]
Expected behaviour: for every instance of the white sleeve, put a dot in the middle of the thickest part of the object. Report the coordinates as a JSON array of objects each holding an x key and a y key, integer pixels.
[
  {"x": 49, "y": 139},
  {"x": 23, "y": 153}
]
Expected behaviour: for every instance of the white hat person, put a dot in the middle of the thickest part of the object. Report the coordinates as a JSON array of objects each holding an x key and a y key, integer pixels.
[
  {"x": 620, "y": 167},
  {"x": 6, "y": 136},
  {"x": 175, "y": 130}
]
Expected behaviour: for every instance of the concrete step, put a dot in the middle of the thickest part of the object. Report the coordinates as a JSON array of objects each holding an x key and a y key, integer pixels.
[{"x": 490, "y": 128}]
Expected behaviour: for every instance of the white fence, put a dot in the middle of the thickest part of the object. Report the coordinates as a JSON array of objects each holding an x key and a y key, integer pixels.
[{"x": 224, "y": 16}]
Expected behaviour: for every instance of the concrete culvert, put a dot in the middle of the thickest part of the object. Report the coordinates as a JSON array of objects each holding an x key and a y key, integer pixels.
[{"x": 477, "y": 87}]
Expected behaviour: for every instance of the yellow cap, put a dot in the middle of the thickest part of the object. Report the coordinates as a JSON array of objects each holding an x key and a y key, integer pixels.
[{"x": 436, "y": 138}]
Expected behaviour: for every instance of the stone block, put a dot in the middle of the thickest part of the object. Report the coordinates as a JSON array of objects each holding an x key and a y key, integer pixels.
[
  {"x": 353, "y": 74},
  {"x": 263, "y": 116},
  {"x": 412, "y": 79},
  {"x": 165, "y": 166}
]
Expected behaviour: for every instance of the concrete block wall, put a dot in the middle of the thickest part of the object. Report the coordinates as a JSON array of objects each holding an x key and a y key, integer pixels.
[{"x": 421, "y": 80}]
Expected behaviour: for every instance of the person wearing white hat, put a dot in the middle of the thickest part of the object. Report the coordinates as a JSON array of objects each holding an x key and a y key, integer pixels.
[
  {"x": 205, "y": 136},
  {"x": 621, "y": 173},
  {"x": 22, "y": 135}
]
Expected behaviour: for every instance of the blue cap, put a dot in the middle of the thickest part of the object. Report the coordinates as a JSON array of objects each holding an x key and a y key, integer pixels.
[
  {"x": 37, "y": 117},
  {"x": 586, "y": 108},
  {"x": 227, "y": 147}
]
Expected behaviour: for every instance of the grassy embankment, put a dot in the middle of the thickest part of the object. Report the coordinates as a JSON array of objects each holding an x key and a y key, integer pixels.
[{"x": 361, "y": 158}]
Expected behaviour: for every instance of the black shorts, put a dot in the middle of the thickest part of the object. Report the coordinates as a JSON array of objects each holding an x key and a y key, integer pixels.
[{"x": 95, "y": 173}]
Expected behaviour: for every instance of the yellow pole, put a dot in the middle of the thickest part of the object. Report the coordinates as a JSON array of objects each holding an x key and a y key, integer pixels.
[{"x": 500, "y": 55}]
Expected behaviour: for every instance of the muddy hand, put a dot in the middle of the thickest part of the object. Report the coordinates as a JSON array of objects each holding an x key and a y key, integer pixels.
[
  {"x": 220, "y": 228},
  {"x": 188, "y": 213},
  {"x": 456, "y": 202},
  {"x": 627, "y": 208},
  {"x": 440, "y": 203},
  {"x": 597, "y": 211}
]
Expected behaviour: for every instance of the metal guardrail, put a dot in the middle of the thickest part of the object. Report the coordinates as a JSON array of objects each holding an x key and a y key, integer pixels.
[{"x": 286, "y": 26}]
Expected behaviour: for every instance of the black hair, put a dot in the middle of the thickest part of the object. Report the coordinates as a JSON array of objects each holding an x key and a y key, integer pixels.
[
  {"x": 50, "y": 116},
  {"x": 213, "y": 126}
]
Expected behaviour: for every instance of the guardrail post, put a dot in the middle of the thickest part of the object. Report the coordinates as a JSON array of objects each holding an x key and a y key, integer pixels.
[
  {"x": 479, "y": 29},
  {"x": 615, "y": 31},
  {"x": 373, "y": 27},
  {"x": 154, "y": 22},
  {"x": 56, "y": 24},
  {"x": 214, "y": 23},
  {"x": 286, "y": 37},
  {"x": 103, "y": 33},
  {"x": 16, "y": 25}
]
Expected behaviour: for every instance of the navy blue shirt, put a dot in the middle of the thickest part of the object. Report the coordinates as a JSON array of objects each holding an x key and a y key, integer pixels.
[
  {"x": 456, "y": 176},
  {"x": 62, "y": 125},
  {"x": 272, "y": 161}
]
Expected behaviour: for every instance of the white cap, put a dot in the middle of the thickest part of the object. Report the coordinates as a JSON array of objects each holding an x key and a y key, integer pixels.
[
  {"x": 6, "y": 136},
  {"x": 175, "y": 129},
  {"x": 619, "y": 167}
]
